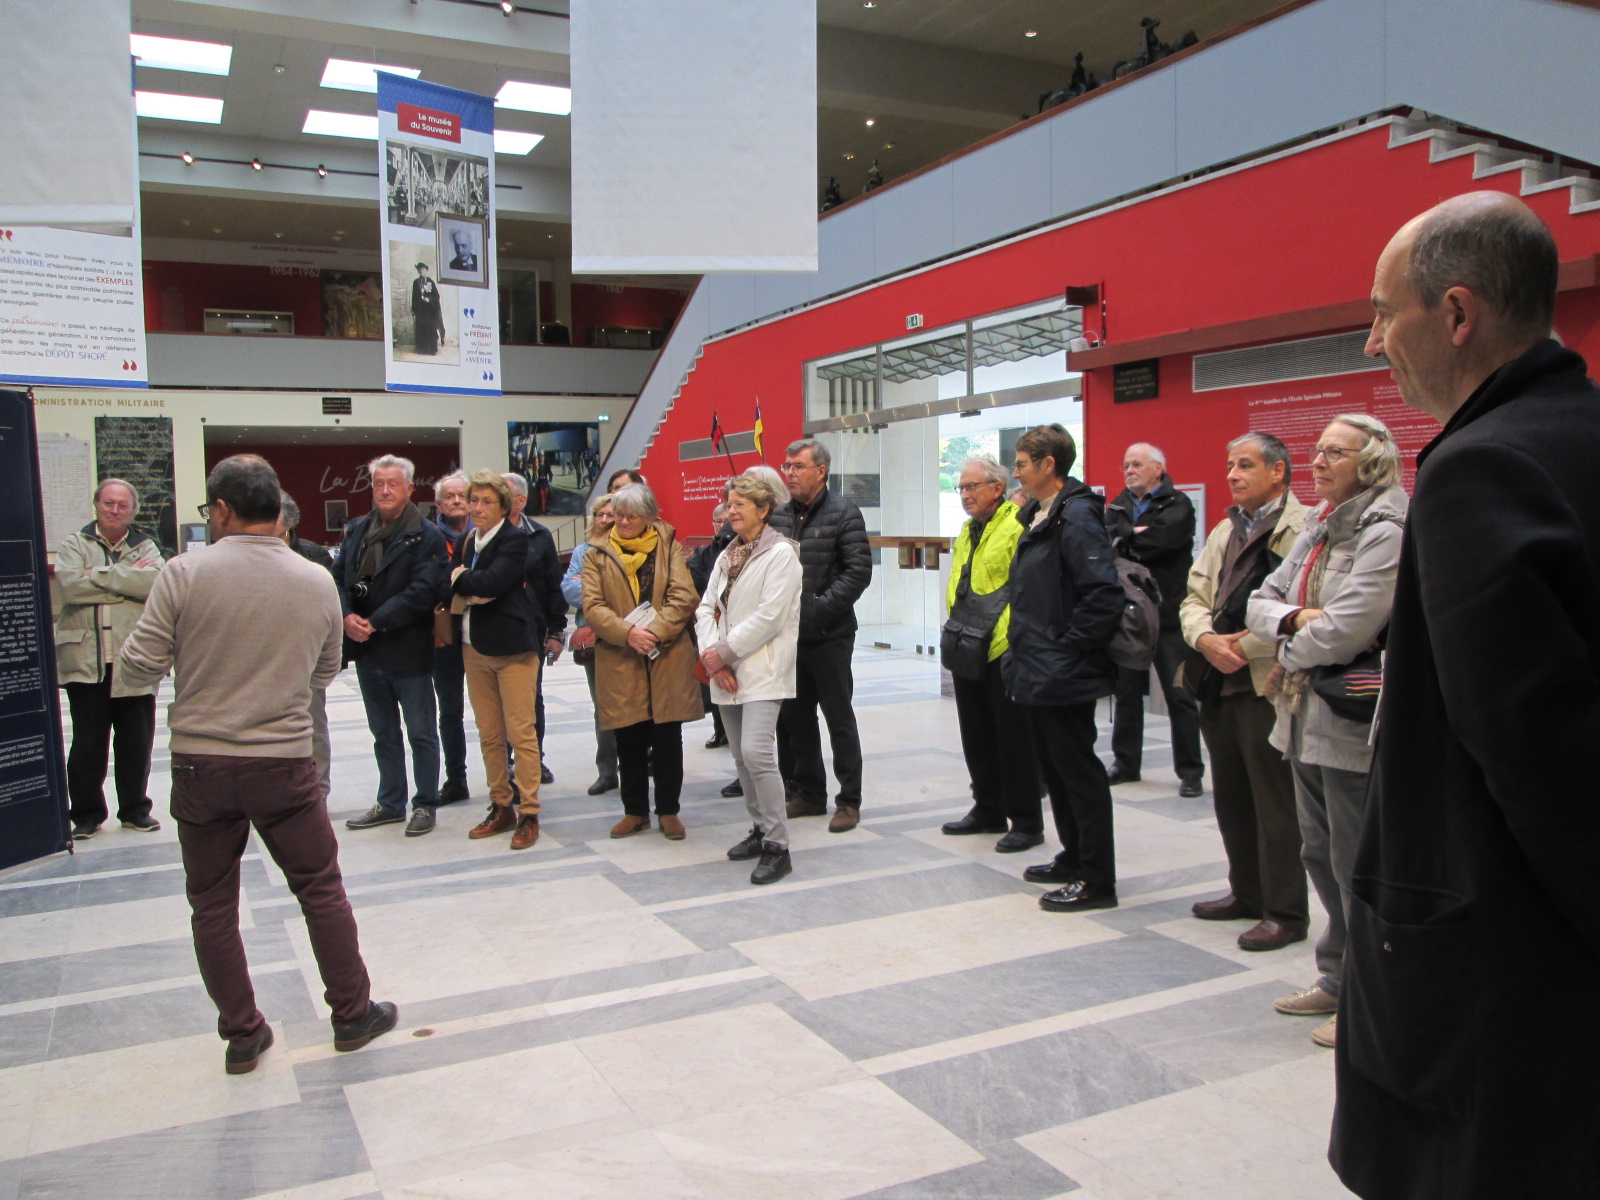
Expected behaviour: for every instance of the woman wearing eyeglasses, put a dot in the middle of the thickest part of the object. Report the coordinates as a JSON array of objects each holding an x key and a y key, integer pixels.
[{"x": 1327, "y": 606}]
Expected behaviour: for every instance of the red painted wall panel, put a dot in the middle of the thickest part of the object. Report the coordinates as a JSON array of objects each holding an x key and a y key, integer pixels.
[{"x": 213, "y": 285}]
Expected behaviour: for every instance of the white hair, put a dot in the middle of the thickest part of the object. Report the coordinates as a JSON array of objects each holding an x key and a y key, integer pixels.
[
  {"x": 1152, "y": 452},
  {"x": 108, "y": 481},
  {"x": 515, "y": 482},
  {"x": 989, "y": 466},
  {"x": 383, "y": 461}
]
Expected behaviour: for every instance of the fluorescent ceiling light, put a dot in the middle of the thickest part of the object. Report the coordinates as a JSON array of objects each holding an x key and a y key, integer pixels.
[
  {"x": 350, "y": 76},
  {"x": 338, "y": 124},
  {"x": 168, "y": 107},
  {"x": 510, "y": 141},
  {"x": 179, "y": 54},
  {"x": 535, "y": 97}
]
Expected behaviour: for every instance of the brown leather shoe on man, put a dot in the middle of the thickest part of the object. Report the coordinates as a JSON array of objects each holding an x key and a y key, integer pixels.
[
  {"x": 1269, "y": 935},
  {"x": 527, "y": 832},
  {"x": 845, "y": 818},
  {"x": 1229, "y": 908},
  {"x": 630, "y": 825},
  {"x": 671, "y": 826},
  {"x": 799, "y": 806},
  {"x": 500, "y": 819}
]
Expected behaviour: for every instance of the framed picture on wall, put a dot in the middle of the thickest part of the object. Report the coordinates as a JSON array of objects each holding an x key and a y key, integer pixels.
[
  {"x": 463, "y": 255},
  {"x": 335, "y": 515}
]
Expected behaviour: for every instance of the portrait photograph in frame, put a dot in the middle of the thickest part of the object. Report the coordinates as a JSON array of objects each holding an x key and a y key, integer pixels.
[
  {"x": 463, "y": 251},
  {"x": 335, "y": 515}
]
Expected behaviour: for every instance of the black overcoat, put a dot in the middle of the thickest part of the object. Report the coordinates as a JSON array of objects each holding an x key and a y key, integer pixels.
[
  {"x": 1165, "y": 545},
  {"x": 401, "y": 596}
]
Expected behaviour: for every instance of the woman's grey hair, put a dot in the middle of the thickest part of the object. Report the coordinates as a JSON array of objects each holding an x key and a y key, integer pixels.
[
  {"x": 989, "y": 466},
  {"x": 762, "y": 471},
  {"x": 635, "y": 500},
  {"x": 595, "y": 505},
  {"x": 1271, "y": 448},
  {"x": 407, "y": 467},
  {"x": 759, "y": 491},
  {"x": 132, "y": 491},
  {"x": 288, "y": 510},
  {"x": 1378, "y": 461},
  {"x": 819, "y": 452}
]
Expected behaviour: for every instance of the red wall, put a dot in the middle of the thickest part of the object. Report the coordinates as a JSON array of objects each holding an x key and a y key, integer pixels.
[
  {"x": 1295, "y": 233},
  {"x": 213, "y": 285},
  {"x": 314, "y": 474}
]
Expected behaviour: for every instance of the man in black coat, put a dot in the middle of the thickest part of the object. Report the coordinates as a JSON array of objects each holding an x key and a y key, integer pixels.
[
  {"x": 1152, "y": 523},
  {"x": 1465, "y": 1058},
  {"x": 1066, "y": 603},
  {"x": 544, "y": 593},
  {"x": 427, "y": 313},
  {"x": 321, "y": 741},
  {"x": 391, "y": 570},
  {"x": 836, "y": 567}
]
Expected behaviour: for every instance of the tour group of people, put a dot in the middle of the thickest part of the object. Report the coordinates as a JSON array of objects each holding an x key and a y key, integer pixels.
[{"x": 1370, "y": 715}]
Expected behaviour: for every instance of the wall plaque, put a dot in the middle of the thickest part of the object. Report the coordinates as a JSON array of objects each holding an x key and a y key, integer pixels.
[{"x": 1140, "y": 380}]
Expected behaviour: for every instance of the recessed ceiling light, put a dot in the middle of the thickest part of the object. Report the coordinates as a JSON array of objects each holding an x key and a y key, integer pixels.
[
  {"x": 872, "y": 120},
  {"x": 338, "y": 124},
  {"x": 167, "y": 107},
  {"x": 888, "y": 145},
  {"x": 255, "y": 164},
  {"x": 1030, "y": 33},
  {"x": 188, "y": 158},
  {"x": 279, "y": 69},
  {"x": 535, "y": 97},
  {"x": 338, "y": 233},
  {"x": 506, "y": 6},
  {"x": 511, "y": 141},
  {"x": 350, "y": 76},
  {"x": 180, "y": 54},
  {"x": 216, "y": 229},
  {"x": 869, "y": 3},
  {"x": 848, "y": 157}
]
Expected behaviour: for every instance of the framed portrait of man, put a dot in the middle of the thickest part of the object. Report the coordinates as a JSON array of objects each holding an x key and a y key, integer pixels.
[{"x": 463, "y": 251}]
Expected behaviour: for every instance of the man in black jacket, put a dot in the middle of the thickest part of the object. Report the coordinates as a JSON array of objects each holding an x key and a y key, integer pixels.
[
  {"x": 544, "y": 593},
  {"x": 1464, "y": 1068},
  {"x": 391, "y": 570},
  {"x": 1152, "y": 523},
  {"x": 321, "y": 741},
  {"x": 836, "y": 566},
  {"x": 1065, "y": 605}
]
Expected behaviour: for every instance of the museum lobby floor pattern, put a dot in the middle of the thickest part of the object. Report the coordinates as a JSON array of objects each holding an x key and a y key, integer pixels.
[{"x": 609, "y": 1020}]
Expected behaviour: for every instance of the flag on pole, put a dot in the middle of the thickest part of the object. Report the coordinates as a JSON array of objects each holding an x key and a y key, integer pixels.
[
  {"x": 716, "y": 433},
  {"x": 760, "y": 453}
]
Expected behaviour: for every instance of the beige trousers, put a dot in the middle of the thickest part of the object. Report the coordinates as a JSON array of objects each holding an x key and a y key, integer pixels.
[{"x": 501, "y": 688}]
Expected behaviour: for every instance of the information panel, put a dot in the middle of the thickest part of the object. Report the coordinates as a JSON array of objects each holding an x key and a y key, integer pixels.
[
  {"x": 139, "y": 449},
  {"x": 33, "y": 779}
]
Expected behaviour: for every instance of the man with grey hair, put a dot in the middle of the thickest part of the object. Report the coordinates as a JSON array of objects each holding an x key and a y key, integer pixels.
[
  {"x": 104, "y": 572},
  {"x": 1152, "y": 523},
  {"x": 449, "y": 670},
  {"x": 1474, "y": 919},
  {"x": 544, "y": 591},
  {"x": 836, "y": 565},
  {"x": 391, "y": 573}
]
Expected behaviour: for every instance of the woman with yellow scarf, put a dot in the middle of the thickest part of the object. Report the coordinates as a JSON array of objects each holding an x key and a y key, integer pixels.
[{"x": 640, "y": 600}]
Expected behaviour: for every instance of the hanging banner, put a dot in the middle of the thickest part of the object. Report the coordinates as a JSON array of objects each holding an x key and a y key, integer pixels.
[{"x": 436, "y": 184}]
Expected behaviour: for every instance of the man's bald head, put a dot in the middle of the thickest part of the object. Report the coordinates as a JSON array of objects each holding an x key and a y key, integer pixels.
[{"x": 1493, "y": 245}]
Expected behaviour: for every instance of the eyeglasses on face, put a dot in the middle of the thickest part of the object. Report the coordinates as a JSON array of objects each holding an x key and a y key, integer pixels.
[
  {"x": 1334, "y": 455},
  {"x": 794, "y": 468},
  {"x": 205, "y": 511},
  {"x": 968, "y": 488}
]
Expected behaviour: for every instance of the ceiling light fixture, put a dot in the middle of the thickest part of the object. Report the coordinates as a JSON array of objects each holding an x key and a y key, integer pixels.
[
  {"x": 888, "y": 145},
  {"x": 848, "y": 157},
  {"x": 279, "y": 69},
  {"x": 339, "y": 124},
  {"x": 1030, "y": 33},
  {"x": 322, "y": 171},
  {"x": 165, "y": 106},
  {"x": 869, "y": 3},
  {"x": 347, "y": 75},
  {"x": 872, "y": 120},
  {"x": 188, "y": 159},
  {"x": 506, "y": 7},
  {"x": 180, "y": 54},
  {"x": 512, "y": 141},
  {"x": 255, "y": 164},
  {"x": 535, "y": 97}
]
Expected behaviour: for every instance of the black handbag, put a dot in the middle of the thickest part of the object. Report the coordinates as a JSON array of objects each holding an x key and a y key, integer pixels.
[
  {"x": 964, "y": 640},
  {"x": 1352, "y": 690}
]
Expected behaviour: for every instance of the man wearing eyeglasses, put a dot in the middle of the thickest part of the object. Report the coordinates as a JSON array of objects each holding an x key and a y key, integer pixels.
[{"x": 836, "y": 566}]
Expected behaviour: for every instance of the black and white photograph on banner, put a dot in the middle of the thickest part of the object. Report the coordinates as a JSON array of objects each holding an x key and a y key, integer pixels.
[
  {"x": 423, "y": 184},
  {"x": 460, "y": 245},
  {"x": 559, "y": 459},
  {"x": 425, "y": 311},
  {"x": 335, "y": 514}
]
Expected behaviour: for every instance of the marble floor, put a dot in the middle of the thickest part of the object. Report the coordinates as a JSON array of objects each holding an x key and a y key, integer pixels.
[{"x": 597, "y": 1019}]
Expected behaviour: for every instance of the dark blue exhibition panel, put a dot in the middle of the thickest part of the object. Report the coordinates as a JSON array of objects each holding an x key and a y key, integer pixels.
[{"x": 33, "y": 778}]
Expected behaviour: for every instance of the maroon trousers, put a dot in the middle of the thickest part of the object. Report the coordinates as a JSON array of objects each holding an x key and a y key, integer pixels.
[{"x": 216, "y": 798}]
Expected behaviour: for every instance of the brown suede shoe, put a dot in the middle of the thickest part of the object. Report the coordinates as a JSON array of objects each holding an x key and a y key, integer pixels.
[
  {"x": 1269, "y": 935},
  {"x": 844, "y": 819},
  {"x": 671, "y": 827},
  {"x": 527, "y": 832},
  {"x": 630, "y": 825},
  {"x": 499, "y": 820},
  {"x": 798, "y": 806},
  {"x": 1229, "y": 908}
]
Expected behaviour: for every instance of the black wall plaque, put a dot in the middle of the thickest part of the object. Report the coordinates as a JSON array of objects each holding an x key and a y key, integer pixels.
[
  {"x": 337, "y": 406},
  {"x": 864, "y": 490},
  {"x": 139, "y": 449},
  {"x": 1139, "y": 380},
  {"x": 33, "y": 777}
]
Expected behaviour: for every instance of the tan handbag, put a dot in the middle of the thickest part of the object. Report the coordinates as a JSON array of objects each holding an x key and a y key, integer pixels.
[{"x": 444, "y": 626}]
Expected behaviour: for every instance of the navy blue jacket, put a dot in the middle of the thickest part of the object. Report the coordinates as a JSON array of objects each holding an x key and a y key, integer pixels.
[
  {"x": 1065, "y": 603},
  {"x": 507, "y": 624},
  {"x": 400, "y": 602},
  {"x": 543, "y": 575}
]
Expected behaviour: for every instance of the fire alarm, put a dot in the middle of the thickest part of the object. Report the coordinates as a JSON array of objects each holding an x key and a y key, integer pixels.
[{"x": 914, "y": 321}]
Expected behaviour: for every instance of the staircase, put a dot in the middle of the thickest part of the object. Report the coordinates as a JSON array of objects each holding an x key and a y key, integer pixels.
[{"x": 1446, "y": 142}]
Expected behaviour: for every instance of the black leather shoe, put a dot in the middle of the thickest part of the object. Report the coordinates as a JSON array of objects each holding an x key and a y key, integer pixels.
[
  {"x": 1078, "y": 896},
  {"x": 1191, "y": 787},
  {"x": 453, "y": 791},
  {"x": 1017, "y": 840},
  {"x": 1269, "y": 935},
  {"x": 749, "y": 848},
  {"x": 606, "y": 783},
  {"x": 1054, "y": 871},
  {"x": 733, "y": 789},
  {"x": 241, "y": 1060},
  {"x": 973, "y": 823},
  {"x": 545, "y": 774},
  {"x": 774, "y": 864},
  {"x": 381, "y": 1017},
  {"x": 717, "y": 741},
  {"x": 1121, "y": 775},
  {"x": 1225, "y": 908}
]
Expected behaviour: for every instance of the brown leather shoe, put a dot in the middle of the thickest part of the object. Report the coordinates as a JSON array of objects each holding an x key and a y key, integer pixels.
[
  {"x": 527, "y": 832},
  {"x": 799, "y": 806},
  {"x": 500, "y": 819},
  {"x": 630, "y": 825},
  {"x": 845, "y": 818},
  {"x": 671, "y": 827},
  {"x": 1229, "y": 908},
  {"x": 1269, "y": 935}
]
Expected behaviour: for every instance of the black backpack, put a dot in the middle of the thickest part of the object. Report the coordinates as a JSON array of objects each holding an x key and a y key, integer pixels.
[{"x": 1133, "y": 644}]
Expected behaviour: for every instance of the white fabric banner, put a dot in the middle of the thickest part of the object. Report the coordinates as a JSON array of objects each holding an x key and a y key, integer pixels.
[
  {"x": 694, "y": 136},
  {"x": 66, "y": 158}
]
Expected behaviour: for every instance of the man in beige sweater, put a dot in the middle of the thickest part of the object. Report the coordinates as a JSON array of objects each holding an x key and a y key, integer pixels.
[{"x": 250, "y": 627}]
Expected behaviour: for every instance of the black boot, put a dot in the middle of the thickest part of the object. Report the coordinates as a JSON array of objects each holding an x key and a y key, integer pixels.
[{"x": 774, "y": 864}]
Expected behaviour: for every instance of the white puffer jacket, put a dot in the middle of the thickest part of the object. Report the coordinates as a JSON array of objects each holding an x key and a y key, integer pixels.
[{"x": 756, "y": 634}]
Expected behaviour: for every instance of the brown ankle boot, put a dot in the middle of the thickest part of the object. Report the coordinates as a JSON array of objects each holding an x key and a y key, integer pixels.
[
  {"x": 630, "y": 825},
  {"x": 527, "y": 832},
  {"x": 499, "y": 820},
  {"x": 671, "y": 827}
]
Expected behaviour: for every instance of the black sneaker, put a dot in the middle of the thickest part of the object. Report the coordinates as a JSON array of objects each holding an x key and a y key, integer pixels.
[
  {"x": 1121, "y": 775},
  {"x": 453, "y": 791},
  {"x": 545, "y": 774},
  {"x": 749, "y": 848},
  {"x": 373, "y": 817},
  {"x": 144, "y": 824},
  {"x": 733, "y": 789},
  {"x": 1054, "y": 871},
  {"x": 1191, "y": 787},
  {"x": 774, "y": 864},
  {"x": 381, "y": 1017},
  {"x": 421, "y": 822},
  {"x": 241, "y": 1060},
  {"x": 717, "y": 741},
  {"x": 602, "y": 785},
  {"x": 84, "y": 830}
]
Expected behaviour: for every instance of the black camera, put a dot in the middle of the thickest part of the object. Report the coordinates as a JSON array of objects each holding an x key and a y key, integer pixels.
[{"x": 361, "y": 588}]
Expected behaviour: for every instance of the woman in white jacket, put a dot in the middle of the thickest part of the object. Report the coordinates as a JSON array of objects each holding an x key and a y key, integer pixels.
[{"x": 747, "y": 625}]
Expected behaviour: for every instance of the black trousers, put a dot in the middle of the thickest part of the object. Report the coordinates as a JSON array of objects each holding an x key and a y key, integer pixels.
[
  {"x": 1080, "y": 796},
  {"x": 998, "y": 747},
  {"x": 101, "y": 724},
  {"x": 822, "y": 678},
  {"x": 1127, "y": 726},
  {"x": 646, "y": 749}
]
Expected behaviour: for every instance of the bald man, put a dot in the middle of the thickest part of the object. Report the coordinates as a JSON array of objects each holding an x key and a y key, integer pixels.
[{"x": 1466, "y": 1057}]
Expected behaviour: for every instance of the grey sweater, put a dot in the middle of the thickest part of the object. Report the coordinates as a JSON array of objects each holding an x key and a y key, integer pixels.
[{"x": 250, "y": 628}]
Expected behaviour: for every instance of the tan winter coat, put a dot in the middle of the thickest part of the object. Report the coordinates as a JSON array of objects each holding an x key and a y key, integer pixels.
[
  {"x": 628, "y": 687},
  {"x": 100, "y": 586}
]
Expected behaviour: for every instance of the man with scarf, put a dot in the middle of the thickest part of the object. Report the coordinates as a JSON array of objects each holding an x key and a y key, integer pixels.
[
  {"x": 391, "y": 570},
  {"x": 1251, "y": 786}
]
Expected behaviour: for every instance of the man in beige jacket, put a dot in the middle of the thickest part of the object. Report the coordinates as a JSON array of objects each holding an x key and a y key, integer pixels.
[{"x": 1252, "y": 787}]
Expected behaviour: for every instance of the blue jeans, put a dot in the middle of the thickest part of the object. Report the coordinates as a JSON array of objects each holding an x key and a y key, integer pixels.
[
  {"x": 449, "y": 685},
  {"x": 391, "y": 699}
]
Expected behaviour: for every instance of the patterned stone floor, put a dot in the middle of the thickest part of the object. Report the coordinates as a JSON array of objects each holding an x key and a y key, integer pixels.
[{"x": 595, "y": 1019}]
